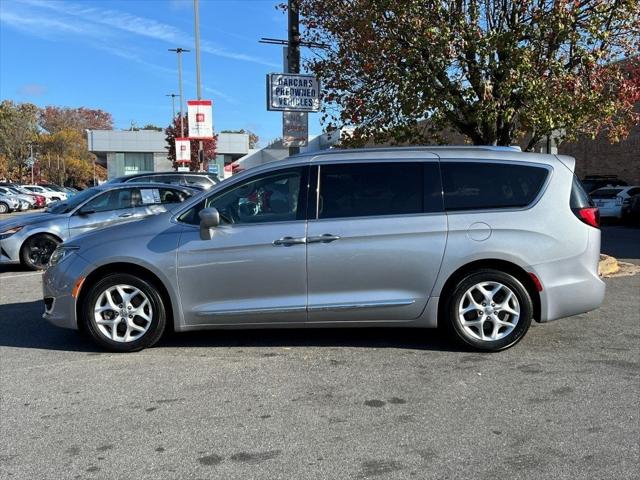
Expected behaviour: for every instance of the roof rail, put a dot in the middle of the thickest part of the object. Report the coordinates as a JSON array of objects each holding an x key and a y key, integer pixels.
[{"x": 494, "y": 148}]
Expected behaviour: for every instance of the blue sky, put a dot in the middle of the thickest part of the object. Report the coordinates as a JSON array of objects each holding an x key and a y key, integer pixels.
[{"x": 112, "y": 54}]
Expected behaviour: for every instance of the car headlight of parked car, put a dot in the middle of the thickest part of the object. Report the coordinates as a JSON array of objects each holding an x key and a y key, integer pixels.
[
  {"x": 7, "y": 233},
  {"x": 60, "y": 253}
]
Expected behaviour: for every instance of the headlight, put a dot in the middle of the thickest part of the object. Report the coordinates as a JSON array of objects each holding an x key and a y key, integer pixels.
[
  {"x": 60, "y": 254},
  {"x": 7, "y": 233}
]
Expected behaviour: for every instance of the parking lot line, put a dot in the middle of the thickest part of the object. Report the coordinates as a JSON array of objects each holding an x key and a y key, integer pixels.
[{"x": 23, "y": 275}]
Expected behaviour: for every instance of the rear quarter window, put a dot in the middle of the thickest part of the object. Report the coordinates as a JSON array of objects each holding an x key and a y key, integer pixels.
[
  {"x": 487, "y": 185},
  {"x": 579, "y": 196}
]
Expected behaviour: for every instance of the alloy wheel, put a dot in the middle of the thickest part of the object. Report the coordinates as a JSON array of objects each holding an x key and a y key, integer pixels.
[
  {"x": 39, "y": 250},
  {"x": 488, "y": 311},
  {"x": 123, "y": 313}
]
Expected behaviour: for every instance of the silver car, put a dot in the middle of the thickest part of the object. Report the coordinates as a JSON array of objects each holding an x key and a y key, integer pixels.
[
  {"x": 10, "y": 203},
  {"x": 479, "y": 240},
  {"x": 31, "y": 239}
]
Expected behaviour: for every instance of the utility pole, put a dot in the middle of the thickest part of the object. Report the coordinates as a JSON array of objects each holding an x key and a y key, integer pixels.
[
  {"x": 293, "y": 50},
  {"x": 32, "y": 161},
  {"x": 173, "y": 104},
  {"x": 198, "y": 84},
  {"x": 180, "y": 51}
]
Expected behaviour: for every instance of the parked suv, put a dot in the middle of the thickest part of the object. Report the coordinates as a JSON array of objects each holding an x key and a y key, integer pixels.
[
  {"x": 479, "y": 240},
  {"x": 190, "y": 179}
]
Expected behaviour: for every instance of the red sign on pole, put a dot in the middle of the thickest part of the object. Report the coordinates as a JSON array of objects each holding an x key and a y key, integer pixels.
[{"x": 200, "y": 114}]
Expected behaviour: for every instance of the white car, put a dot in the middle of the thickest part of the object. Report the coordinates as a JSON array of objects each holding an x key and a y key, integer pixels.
[
  {"x": 49, "y": 195},
  {"x": 610, "y": 200}
]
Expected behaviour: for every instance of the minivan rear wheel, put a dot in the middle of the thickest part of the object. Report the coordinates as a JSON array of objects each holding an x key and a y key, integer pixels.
[
  {"x": 124, "y": 313},
  {"x": 489, "y": 310}
]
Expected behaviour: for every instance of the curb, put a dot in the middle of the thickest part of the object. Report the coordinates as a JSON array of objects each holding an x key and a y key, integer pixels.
[{"x": 607, "y": 266}]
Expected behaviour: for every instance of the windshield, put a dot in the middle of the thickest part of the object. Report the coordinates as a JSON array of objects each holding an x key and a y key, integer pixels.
[
  {"x": 68, "y": 205},
  {"x": 606, "y": 193}
]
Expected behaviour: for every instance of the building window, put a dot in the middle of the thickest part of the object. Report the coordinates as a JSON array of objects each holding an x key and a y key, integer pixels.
[{"x": 138, "y": 162}]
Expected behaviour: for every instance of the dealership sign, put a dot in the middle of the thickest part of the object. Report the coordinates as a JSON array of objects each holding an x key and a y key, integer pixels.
[
  {"x": 291, "y": 92},
  {"x": 295, "y": 129},
  {"x": 183, "y": 150},
  {"x": 200, "y": 117}
]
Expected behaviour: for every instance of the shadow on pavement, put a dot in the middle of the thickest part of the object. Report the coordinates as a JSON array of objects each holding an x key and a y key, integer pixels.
[
  {"x": 22, "y": 326},
  {"x": 13, "y": 268},
  {"x": 621, "y": 241},
  {"x": 405, "y": 338}
]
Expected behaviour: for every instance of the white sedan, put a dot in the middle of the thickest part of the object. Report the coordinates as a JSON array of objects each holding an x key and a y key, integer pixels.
[
  {"x": 609, "y": 200},
  {"x": 49, "y": 195}
]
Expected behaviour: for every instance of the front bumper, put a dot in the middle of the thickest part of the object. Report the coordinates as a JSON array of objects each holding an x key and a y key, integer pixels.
[
  {"x": 10, "y": 249},
  {"x": 57, "y": 286}
]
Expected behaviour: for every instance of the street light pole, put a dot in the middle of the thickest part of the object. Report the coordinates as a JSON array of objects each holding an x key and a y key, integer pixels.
[
  {"x": 293, "y": 50},
  {"x": 179, "y": 51},
  {"x": 173, "y": 104},
  {"x": 198, "y": 83}
]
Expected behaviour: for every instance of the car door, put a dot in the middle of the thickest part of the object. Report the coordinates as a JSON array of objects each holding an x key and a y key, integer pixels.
[
  {"x": 253, "y": 270},
  {"x": 377, "y": 242},
  {"x": 106, "y": 209}
]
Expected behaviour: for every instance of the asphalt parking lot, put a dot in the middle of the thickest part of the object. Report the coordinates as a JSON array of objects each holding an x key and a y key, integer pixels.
[{"x": 307, "y": 404}]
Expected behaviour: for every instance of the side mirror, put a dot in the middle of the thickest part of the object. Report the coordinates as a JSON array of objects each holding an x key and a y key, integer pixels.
[
  {"x": 84, "y": 212},
  {"x": 209, "y": 219}
]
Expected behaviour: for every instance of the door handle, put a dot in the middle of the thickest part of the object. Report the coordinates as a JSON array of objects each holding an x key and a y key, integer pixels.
[
  {"x": 326, "y": 238},
  {"x": 288, "y": 241},
  {"x": 125, "y": 215}
]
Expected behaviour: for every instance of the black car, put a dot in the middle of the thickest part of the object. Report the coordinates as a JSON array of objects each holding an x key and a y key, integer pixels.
[
  {"x": 631, "y": 209},
  {"x": 202, "y": 180}
]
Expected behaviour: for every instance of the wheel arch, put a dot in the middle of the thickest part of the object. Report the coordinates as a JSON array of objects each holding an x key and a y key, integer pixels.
[
  {"x": 495, "y": 264},
  {"x": 130, "y": 268}
]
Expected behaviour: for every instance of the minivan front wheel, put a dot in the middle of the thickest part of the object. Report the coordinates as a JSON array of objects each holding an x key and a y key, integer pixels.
[
  {"x": 124, "y": 313},
  {"x": 489, "y": 310}
]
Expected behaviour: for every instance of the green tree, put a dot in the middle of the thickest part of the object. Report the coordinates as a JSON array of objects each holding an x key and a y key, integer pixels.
[
  {"x": 18, "y": 129},
  {"x": 496, "y": 71}
]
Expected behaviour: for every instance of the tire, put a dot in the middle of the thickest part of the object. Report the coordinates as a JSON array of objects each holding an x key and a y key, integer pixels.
[
  {"x": 36, "y": 251},
  {"x": 494, "y": 320},
  {"x": 149, "y": 318},
  {"x": 4, "y": 208}
]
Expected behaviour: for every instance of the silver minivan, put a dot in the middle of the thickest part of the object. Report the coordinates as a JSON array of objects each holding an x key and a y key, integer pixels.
[{"x": 478, "y": 240}]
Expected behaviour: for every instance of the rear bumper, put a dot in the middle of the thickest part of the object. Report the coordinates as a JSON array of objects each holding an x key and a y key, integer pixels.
[
  {"x": 571, "y": 286},
  {"x": 614, "y": 211}
]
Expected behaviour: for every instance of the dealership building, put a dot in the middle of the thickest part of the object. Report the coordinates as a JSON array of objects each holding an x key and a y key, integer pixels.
[{"x": 142, "y": 151}]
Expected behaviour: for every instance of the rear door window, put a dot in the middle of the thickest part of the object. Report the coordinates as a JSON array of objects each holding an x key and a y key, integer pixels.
[
  {"x": 378, "y": 188},
  {"x": 487, "y": 185}
]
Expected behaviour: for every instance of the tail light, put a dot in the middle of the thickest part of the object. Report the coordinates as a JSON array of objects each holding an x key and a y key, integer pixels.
[{"x": 589, "y": 215}]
